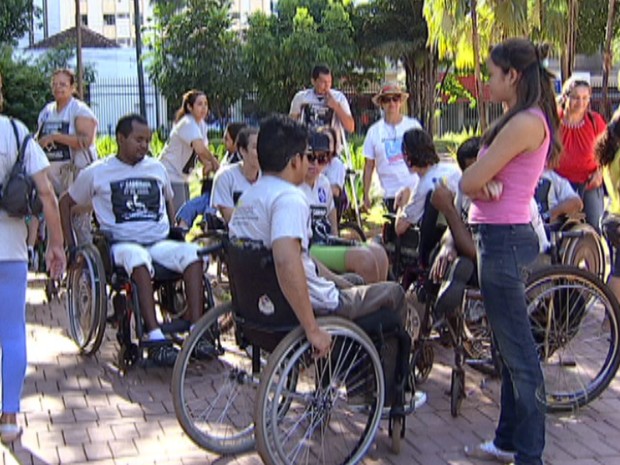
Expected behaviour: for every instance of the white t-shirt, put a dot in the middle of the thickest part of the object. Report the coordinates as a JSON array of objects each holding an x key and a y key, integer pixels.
[
  {"x": 129, "y": 200},
  {"x": 314, "y": 112},
  {"x": 320, "y": 198},
  {"x": 52, "y": 121},
  {"x": 383, "y": 144},
  {"x": 177, "y": 153},
  {"x": 336, "y": 172},
  {"x": 448, "y": 172},
  {"x": 228, "y": 185},
  {"x": 559, "y": 191},
  {"x": 13, "y": 230},
  {"x": 272, "y": 209}
]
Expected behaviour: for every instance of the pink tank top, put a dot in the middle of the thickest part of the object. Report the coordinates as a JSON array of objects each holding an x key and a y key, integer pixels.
[{"x": 519, "y": 177}]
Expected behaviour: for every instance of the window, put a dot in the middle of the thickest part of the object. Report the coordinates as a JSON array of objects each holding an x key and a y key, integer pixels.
[
  {"x": 123, "y": 16},
  {"x": 109, "y": 20},
  {"x": 84, "y": 19}
]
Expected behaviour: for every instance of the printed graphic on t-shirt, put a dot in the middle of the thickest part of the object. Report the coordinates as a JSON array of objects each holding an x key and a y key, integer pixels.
[
  {"x": 136, "y": 199},
  {"x": 58, "y": 152},
  {"x": 236, "y": 195},
  {"x": 393, "y": 150},
  {"x": 317, "y": 115}
]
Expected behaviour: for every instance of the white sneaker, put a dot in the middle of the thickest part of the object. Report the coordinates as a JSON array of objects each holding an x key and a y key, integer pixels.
[
  {"x": 419, "y": 399},
  {"x": 489, "y": 451}
]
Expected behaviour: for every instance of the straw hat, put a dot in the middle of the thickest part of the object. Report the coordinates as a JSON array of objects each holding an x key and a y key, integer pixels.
[{"x": 390, "y": 88}]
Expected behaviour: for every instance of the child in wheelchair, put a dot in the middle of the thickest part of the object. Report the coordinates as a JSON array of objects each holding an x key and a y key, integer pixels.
[
  {"x": 367, "y": 260},
  {"x": 131, "y": 198}
]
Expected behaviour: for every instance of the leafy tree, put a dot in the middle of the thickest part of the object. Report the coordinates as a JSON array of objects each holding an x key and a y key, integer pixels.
[
  {"x": 396, "y": 30},
  {"x": 26, "y": 90},
  {"x": 16, "y": 17},
  {"x": 193, "y": 46},
  {"x": 281, "y": 49}
]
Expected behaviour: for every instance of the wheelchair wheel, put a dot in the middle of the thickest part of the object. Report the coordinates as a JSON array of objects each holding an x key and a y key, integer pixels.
[
  {"x": 574, "y": 319},
  {"x": 584, "y": 252},
  {"x": 214, "y": 399},
  {"x": 351, "y": 230},
  {"x": 332, "y": 412},
  {"x": 87, "y": 299}
]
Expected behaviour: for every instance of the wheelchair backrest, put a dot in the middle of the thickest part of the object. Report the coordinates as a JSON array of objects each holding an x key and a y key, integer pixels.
[
  {"x": 431, "y": 230},
  {"x": 263, "y": 312}
]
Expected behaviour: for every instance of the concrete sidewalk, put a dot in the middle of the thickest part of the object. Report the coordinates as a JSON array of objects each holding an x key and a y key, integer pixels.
[{"x": 79, "y": 410}]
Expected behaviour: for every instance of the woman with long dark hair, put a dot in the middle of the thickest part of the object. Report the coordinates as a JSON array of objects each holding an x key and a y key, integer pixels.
[
  {"x": 187, "y": 144},
  {"x": 502, "y": 183}
]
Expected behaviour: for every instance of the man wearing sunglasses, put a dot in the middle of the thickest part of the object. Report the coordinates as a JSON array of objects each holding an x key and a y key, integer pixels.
[
  {"x": 383, "y": 147},
  {"x": 275, "y": 212}
]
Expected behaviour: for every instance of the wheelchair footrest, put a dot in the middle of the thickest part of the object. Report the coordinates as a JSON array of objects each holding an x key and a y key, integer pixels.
[
  {"x": 175, "y": 326},
  {"x": 147, "y": 344}
]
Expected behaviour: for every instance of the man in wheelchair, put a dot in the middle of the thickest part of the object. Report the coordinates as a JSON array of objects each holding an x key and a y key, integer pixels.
[
  {"x": 131, "y": 197},
  {"x": 275, "y": 212}
]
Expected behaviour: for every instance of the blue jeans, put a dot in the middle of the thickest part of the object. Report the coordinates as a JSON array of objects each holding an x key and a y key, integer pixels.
[
  {"x": 13, "y": 281},
  {"x": 593, "y": 204},
  {"x": 194, "y": 207},
  {"x": 503, "y": 253}
]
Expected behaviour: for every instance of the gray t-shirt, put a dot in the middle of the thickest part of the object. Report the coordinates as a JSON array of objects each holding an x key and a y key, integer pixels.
[
  {"x": 272, "y": 209},
  {"x": 178, "y": 155},
  {"x": 228, "y": 185},
  {"x": 129, "y": 200}
]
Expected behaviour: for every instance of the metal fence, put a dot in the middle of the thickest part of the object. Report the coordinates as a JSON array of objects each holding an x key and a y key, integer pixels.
[{"x": 111, "y": 98}]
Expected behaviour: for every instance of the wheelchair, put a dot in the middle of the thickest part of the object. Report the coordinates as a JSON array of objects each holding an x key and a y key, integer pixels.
[
  {"x": 94, "y": 280},
  {"x": 264, "y": 389}
]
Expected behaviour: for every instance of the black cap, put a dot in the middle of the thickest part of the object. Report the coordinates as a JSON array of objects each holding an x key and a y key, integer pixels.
[{"x": 318, "y": 142}]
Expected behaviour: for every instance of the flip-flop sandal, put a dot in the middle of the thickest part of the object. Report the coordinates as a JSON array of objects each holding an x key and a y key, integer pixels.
[{"x": 9, "y": 432}]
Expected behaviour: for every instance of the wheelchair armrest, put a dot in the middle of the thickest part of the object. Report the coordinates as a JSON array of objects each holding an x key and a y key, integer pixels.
[{"x": 177, "y": 233}]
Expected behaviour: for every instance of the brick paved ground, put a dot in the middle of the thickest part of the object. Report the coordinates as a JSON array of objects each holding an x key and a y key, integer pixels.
[{"x": 79, "y": 410}]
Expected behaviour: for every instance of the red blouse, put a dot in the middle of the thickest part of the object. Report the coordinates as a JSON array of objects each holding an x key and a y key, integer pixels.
[{"x": 578, "y": 161}]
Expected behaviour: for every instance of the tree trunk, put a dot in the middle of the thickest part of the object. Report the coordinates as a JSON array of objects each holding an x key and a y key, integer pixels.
[
  {"x": 78, "y": 51},
  {"x": 611, "y": 14},
  {"x": 420, "y": 83},
  {"x": 568, "y": 55},
  {"x": 481, "y": 104}
]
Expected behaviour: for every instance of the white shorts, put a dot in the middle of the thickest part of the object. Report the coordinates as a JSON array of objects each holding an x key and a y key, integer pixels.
[{"x": 174, "y": 255}]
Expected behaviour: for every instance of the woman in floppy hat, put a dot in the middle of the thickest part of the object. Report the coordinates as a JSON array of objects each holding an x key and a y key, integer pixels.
[{"x": 383, "y": 146}]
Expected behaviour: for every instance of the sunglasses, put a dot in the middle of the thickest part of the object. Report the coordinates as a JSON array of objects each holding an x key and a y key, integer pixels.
[
  {"x": 393, "y": 98},
  {"x": 320, "y": 158}
]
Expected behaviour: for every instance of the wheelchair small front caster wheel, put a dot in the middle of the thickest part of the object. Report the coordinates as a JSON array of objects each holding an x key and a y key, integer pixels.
[{"x": 457, "y": 391}]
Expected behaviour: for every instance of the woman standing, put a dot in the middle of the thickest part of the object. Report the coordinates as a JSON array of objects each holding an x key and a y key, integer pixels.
[
  {"x": 580, "y": 127},
  {"x": 187, "y": 144},
  {"x": 501, "y": 184},
  {"x": 67, "y": 130},
  {"x": 14, "y": 268}
]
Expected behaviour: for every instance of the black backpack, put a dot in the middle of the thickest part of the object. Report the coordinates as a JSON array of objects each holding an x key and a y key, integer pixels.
[{"x": 18, "y": 194}]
